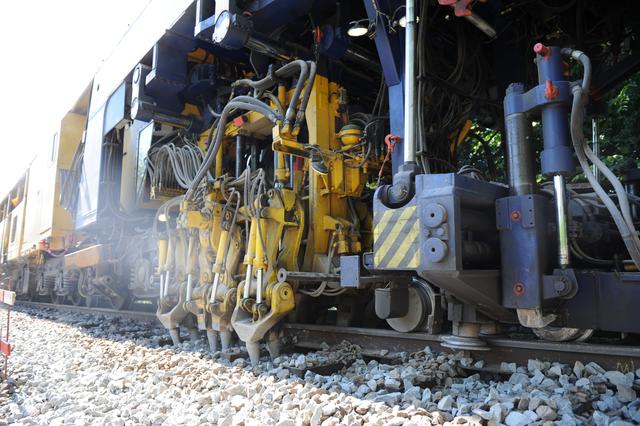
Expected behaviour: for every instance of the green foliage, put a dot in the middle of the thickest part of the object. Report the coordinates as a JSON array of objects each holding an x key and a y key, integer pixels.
[
  {"x": 620, "y": 129},
  {"x": 482, "y": 149},
  {"x": 619, "y": 138}
]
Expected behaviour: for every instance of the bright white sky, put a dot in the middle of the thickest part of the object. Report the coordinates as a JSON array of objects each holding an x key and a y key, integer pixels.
[{"x": 49, "y": 50}]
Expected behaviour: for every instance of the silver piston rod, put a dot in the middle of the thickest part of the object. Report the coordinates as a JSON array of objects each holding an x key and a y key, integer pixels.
[
  {"x": 560, "y": 190},
  {"x": 410, "y": 85}
]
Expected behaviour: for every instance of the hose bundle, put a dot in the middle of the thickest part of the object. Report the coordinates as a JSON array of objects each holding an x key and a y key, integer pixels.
[
  {"x": 622, "y": 216},
  {"x": 173, "y": 162},
  {"x": 253, "y": 103}
]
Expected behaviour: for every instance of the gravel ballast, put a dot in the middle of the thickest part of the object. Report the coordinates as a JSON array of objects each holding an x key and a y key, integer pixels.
[{"x": 70, "y": 368}]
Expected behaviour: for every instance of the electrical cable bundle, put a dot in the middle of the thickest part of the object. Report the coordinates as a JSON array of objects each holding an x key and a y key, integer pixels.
[
  {"x": 174, "y": 163},
  {"x": 452, "y": 84}
]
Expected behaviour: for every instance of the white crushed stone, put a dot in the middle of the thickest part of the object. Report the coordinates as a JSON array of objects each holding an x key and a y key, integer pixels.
[{"x": 80, "y": 370}]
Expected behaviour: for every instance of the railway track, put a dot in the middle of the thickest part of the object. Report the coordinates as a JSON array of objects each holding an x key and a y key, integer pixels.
[
  {"x": 133, "y": 315},
  {"x": 502, "y": 349}
]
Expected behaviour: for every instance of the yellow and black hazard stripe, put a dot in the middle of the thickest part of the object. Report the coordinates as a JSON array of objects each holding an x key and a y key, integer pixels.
[{"x": 395, "y": 239}]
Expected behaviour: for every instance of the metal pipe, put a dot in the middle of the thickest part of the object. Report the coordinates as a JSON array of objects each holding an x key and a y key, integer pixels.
[
  {"x": 481, "y": 24},
  {"x": 239, "y": 154},
  {"x": 161, "y": 286},
  {"x": 284, "y": 275},
  {"x": 520, "y": 163},
  {"x": 595, "y": 135},
  {"x": 259, "y": 286},
  {"x": 561, "y": 220},
  {"x": 189, "y": 287},
  {"x": 410, "y": 84},
  {"x": 166, "y": 284},
  {"x": 214, "y": 289},
  {"x": 247, "y": 282},
  {"x": 268, "y": 48}
]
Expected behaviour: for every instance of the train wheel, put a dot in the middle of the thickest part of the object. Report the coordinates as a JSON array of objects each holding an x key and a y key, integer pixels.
[
  {"x": 563, "y": 334},
  {"x": 419, "y": 309},
  {"x": 92, "y": 301},
  {"x": 75, "y": 298},
  {"x": 120, "y": 303},
  {"x": 57, "y": 299}
]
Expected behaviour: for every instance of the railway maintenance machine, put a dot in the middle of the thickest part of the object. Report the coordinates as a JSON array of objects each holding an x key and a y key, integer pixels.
[{"x": 420, "y": 165}]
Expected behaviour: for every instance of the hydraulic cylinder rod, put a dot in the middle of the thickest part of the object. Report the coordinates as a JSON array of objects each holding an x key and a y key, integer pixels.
[
  {"x": 561, "y": 220},
  {"x": 410, "y": 85}
]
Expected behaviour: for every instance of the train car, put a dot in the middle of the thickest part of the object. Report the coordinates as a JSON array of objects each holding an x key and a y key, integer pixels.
[
  {"x": 37, "y": 230},
  {"x": 243, "y": 163}
]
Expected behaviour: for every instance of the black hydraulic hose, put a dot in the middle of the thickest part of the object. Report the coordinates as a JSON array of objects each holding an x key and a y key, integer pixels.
[
  {"x": 262, "y": 84},
  {"x": 218, "y": 126},
  {"x": 305, "y": 96},
  {"x": 273, "y": 98},
  {"x": 286, "y": 71},
  {"x": 262, "y": 107}
]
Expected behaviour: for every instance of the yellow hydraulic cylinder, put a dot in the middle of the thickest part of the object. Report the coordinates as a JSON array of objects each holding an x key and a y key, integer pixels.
[
  {"x": 260, "y": 262},
  {"x": 282, "y": 171},
  {"x": 220, "y": 253},
  {"x": 218, "y": 266}
]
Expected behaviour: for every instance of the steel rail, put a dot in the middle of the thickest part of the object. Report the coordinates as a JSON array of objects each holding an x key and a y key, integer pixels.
[
  {"x": 619, "y": 357},
  {"x": 133, "y": 315}
]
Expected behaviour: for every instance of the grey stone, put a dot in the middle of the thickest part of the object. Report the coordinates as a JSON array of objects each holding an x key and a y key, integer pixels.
[
  {"x": 555, "y": 370},
  {"x": 373, "y": 385},
  {"x": 578, "y": 368},
  {"x": 534, "y": 403},
  {"x": 593, "y": 368},
  {"x": 583, "y": 382},
  {"x": 626, "y": 393},
  {"x": 389, "y": 398},
  {"x": 507, "y": 367},
  {"x": 534, "y": 364},
  {"x": 537, "y": 378},
  {"x": 445, "y": 403},
  {"x": 523, "y": 404},
  {"x": 392, "y": 384},
  {"x": 485, "y": 415},
  {"x": 546, "y": 413},
  {"x": 301, "y": 362},
  {"x": 519, "y": 378},
  {"x": 414, "y": 393},
  {"x": 516, "y": 418},
  {"x": 617, "y": 378},
  {"x": 466, "y": 362}
]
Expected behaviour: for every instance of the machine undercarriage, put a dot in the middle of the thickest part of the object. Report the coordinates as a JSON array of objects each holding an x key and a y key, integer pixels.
[{"x": 235, "y": 176}]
